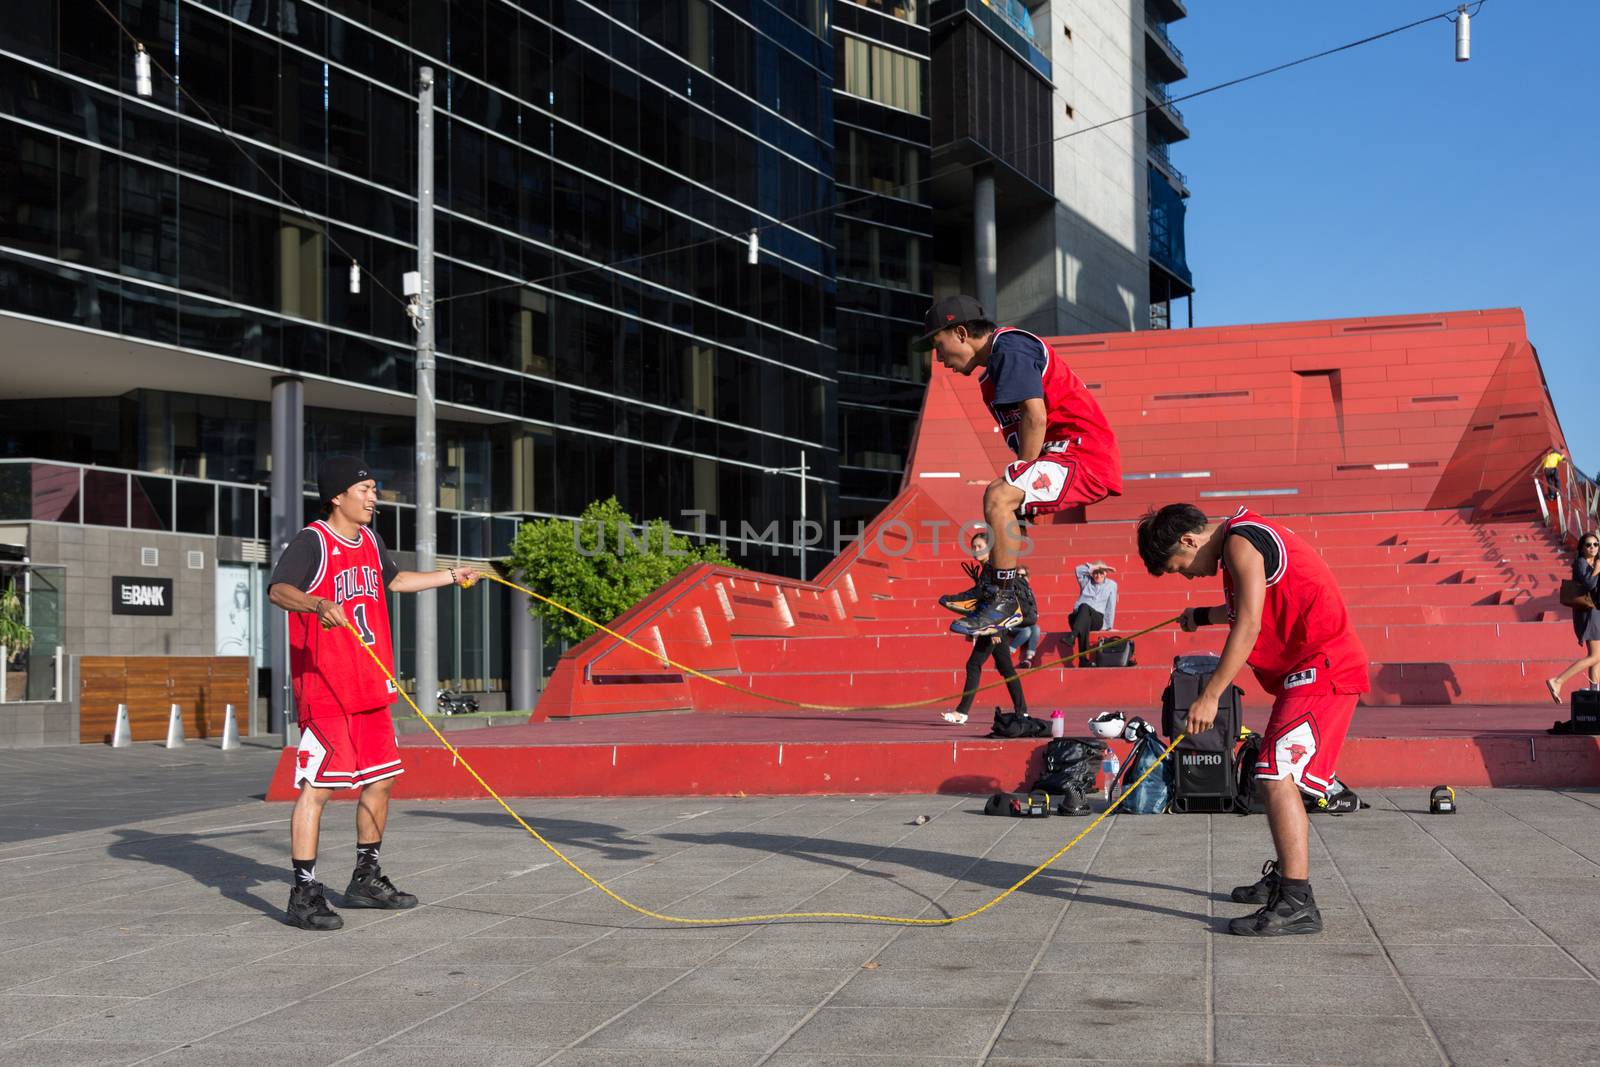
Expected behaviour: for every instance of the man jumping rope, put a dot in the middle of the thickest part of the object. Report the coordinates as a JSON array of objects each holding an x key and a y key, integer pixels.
[
  {"x": 1066, "y": 453},
  {"x": 331, "y": 577},
  {"x": 1287, "y": 619}
]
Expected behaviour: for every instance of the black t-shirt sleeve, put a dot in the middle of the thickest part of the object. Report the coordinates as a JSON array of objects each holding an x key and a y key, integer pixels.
[
  {"x": 1016, "y": 363},
  {"x": 390, "y": 567},
  {"x": 299, "y": 563},
  {"x": 1262, "y": 542}
]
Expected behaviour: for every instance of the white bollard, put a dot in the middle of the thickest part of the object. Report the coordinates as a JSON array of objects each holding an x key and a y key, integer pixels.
[
  {"x": 175, "y": 728},
  {"x": 122, "y": 733},
  {"x": 230, "y": 730}
]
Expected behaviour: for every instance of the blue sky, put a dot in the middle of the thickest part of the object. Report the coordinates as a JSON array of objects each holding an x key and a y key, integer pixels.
[{"x": 1390, "y": 179}]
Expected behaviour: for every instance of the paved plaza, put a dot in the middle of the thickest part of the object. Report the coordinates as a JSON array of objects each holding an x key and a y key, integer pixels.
[{"x": 144, "y": 888}]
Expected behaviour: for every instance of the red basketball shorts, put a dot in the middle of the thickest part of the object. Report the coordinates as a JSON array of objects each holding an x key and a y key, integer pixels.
[
  {"x": 1065, "y": 475},
  {"x": 1304, "y": 735},
  {"x": 347, "y": 751}
]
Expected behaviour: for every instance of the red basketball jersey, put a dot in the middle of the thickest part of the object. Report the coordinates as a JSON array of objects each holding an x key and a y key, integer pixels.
[
  {"x": 331, "y": 673},
  {"x": 1071, "y": 414},
  {"x": 1305, "y": 628}
]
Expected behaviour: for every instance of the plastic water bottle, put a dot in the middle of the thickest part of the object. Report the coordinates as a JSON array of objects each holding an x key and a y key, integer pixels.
[
  {"x": 1058, "y": 724},
  {"x": 1111, "y": 766}
]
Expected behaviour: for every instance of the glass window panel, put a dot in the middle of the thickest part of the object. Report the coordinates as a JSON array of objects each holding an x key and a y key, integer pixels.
[
  {"x": 152, "y": 503},
  {"x": 236, "y": 510},
  {"x": 28, "y": 198},
  {"x": 196, "y": 508},
  {"x": 470, "y": 604},
  {"x": 348, "y": 122},
  {"x": 31, "y": 30},
  {"x": 203, "y": 67},
  {"x": 393, "y": 155},
  {"x": 105, "y": 498},
  {"x": 253, "y": 64},
  {"x": 302, "y": 118},
  {"x": 148, "y": 241},
  {"x": 449, "y": 610},
  {"x": 203, "y": 230}
]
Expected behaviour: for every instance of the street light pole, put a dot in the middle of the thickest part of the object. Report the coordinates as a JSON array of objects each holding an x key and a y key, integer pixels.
[
  {"x": 801, "y": 472},
  {"x": 427, "y": 651}
]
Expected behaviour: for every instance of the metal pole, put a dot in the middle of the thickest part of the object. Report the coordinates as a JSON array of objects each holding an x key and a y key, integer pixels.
[
  {"x": 805, "y": 530},
  {"x": 524, "y": 654},
  {"x": 288, "y": 515},
  {"x": 427, "y": 444}
]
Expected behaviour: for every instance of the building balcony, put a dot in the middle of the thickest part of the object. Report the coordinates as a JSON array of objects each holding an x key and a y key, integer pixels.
[
  {"x": 1162, "y": 159},
  {"x": 1164, "y": 122},
  {"x": 1167, "y": 10},
  {"x": 1162, "y": 58},
  {"x": 1006, "y": 20}
]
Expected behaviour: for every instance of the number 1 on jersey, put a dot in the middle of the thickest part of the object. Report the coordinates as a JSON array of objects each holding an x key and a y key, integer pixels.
[{"x": 359, "y": 615}]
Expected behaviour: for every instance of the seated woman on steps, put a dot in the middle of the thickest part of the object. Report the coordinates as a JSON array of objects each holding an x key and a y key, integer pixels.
[{"x": 1585, "y": 621}]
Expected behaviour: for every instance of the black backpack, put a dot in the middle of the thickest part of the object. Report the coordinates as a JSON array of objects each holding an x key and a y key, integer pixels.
[
  {"x": 1017, "y": 724},
  {"x": 1071, "y": 763},
  {"x": 1027, "y": 602},
  {"x": 1249, "y": 798}
]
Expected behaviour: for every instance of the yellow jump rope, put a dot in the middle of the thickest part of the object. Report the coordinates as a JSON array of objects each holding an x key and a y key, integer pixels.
[{"x": 896, "y": 920}]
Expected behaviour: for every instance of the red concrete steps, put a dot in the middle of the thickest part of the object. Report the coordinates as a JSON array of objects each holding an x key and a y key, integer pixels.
[
  {"x": 1493, "y": 642},
  {"x": 1127, "y": 688},
  {"x": 1054, "y": 617}
]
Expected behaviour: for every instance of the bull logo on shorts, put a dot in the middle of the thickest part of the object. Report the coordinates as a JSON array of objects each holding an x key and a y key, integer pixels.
[
  {"x": 1297, "y": 753},
  {"x": 1042, "y": 482},
  {"x": 304, "y": 758}
]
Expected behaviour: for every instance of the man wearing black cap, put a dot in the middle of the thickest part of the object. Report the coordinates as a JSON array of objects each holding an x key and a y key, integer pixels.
[
  {"x": 332, "y": 580},
  {"x": 1067, "y": 455}
]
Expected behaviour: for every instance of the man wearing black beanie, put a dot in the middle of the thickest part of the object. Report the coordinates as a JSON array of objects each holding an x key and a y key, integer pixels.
[{"x": 332, "y": 580}]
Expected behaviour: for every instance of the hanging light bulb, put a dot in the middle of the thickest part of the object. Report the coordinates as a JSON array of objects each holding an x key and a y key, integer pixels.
[
  {"x": 141, "y": 72},
  {"x": 753, "y": 255},
  {"x": 355, "y": 278},
  {"x": 1463, "y": 34}
]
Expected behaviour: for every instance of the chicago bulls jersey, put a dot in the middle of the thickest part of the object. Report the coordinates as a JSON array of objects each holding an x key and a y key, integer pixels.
[
  {"x": 1072, "y": 415},
  {"x": 1306, "y": 639},
  {"x": 331, "y": 673}
]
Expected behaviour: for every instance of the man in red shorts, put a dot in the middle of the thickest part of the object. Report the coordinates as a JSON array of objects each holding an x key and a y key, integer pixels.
[
  {"x": 332, "y": 577},
  {"x": 1066, "y": 453},
  {"x": 1287, "y": 620}
]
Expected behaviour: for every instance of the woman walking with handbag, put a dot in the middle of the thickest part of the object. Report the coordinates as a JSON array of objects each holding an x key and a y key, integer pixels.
[{"x": 1580, "y": 594}]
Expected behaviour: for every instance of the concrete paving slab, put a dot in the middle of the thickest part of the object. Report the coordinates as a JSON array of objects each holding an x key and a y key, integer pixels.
[
  {"x": 950, "y": 1030},
  {"x": 1518, "y": 1043},
  {"x": 1142, "y": 1037},
  {"x": 161, "y": 938},
  {"x": 1349, "y": 1040},
  {"x": 1577, "y": 1000}
]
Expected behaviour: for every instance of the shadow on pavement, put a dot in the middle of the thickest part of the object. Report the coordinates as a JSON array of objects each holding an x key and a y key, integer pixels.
[
  {"x": 227, "y": 872},
  {"x": 611, "y": 843},
  {"x": 846, "y": 855}
]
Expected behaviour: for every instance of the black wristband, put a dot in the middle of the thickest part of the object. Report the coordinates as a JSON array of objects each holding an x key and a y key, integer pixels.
[{"x": 1202, "y": 616}]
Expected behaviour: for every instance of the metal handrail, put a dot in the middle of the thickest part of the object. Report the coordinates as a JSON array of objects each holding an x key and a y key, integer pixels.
[
  {"x": 1159, "y": 91},
  {"x": 1159, "y": 28},
  {"x": 1159, "y": 152},
  {"x": 1575, "y": 508}
]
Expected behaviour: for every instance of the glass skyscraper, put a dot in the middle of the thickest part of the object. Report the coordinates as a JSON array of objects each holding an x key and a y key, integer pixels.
[{"x": 598, "y": 166}]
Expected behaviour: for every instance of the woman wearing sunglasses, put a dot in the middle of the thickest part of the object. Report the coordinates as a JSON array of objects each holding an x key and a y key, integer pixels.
[{"x": 1585, "y": 621}]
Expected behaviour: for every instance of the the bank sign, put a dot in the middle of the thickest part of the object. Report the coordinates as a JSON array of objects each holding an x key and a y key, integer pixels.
[{"x": 141, "y": 596}]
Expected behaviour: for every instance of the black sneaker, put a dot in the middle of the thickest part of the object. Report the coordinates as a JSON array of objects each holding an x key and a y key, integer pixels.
[
  {"x": 308, "y": 908},
  {"x": 996, "y": 613},
  {"x": 967, "y": 602},
  {"x": 1262, "y": 891},
  {"x": 962, "y": 603},
  {"x": 371, "y": 888},
  {"x": 1281, "y": 915}
]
